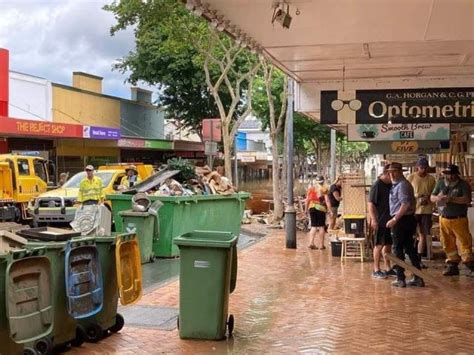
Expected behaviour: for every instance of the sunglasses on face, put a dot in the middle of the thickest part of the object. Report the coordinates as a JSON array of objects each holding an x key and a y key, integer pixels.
[{"x": 354, "y": 105}]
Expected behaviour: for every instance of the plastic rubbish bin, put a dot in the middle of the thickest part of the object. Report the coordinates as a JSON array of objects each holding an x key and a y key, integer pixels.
[
  {"x": 26, "y": 302},
  {"x": 183, "y": 214},
  {"x": 129, "y": 269},
  {"x": 206, "y": 279},
  {"x": 66, "y": 330},
  {"x": 143, "y": 224},
  {"x": 354, "y": 224},
  {"x": 119, "y": 259}
]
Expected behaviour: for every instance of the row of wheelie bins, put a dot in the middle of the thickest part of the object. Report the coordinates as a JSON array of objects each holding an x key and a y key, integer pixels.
[{"x": 62, "y": 293}]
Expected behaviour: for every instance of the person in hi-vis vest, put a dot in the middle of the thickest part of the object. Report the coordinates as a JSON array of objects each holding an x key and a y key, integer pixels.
[{"x": 131, "y": 179}]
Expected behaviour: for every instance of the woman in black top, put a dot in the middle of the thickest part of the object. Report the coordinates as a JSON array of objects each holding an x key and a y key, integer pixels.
[{"x": 335, "y": 198}]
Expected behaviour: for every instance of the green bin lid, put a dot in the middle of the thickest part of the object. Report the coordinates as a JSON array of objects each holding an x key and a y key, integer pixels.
[
  {"x": 212, "y": 239},
  {"x": 131, "y": 213}
]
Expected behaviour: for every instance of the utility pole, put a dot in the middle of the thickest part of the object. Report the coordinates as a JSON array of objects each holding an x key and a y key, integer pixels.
[
  {"x": 332, "y": 172},
  {"x": 290, "y": 212}
]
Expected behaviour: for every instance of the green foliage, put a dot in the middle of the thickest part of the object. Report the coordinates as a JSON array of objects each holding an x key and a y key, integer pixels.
[
  {"x": 260, "y": 99},
  {"x": 352, "y": 152},
  {"x": 168, "y": 53},
  {"x": 185, "y": 167}
]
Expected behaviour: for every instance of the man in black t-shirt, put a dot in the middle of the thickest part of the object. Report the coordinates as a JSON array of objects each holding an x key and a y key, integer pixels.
[
  {"x": 335, "y": 198},
  {"x": 379, "y": 211}
]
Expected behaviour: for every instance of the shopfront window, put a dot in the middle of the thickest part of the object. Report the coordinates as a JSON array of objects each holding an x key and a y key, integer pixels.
[{"x": 23, "y": 167}]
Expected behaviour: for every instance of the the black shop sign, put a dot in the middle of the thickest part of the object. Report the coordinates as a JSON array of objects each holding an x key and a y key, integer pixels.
[{"x": 442, "y": 105}]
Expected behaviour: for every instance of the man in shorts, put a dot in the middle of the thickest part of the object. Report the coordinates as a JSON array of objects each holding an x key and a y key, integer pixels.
[
  {"x": 317, "y": 204},
  {"x": 379, "y": 211},
  {"x": 423, "y": 184}
]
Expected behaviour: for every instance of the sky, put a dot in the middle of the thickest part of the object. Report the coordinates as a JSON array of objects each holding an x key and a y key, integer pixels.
[{"x": 53, "y": 38}]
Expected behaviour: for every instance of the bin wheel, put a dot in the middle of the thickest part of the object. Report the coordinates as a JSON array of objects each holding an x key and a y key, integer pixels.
[
  {"x": 119, "y": 323},
  {"x": 152, "y": 258},
  {"x": 44, "y": 346},
  {"x": 29, "y": 351},
  {"x": 94, "y": 333},
  {"x": 230, "y": 324},
  {"x": 177, "y": 322},
  {"x": 80, "y": 337}
]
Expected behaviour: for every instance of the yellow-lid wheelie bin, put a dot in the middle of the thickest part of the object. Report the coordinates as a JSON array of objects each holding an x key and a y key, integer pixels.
[
  {"x": 208, "y": 273},
  {"x": 119, "y": 258}
]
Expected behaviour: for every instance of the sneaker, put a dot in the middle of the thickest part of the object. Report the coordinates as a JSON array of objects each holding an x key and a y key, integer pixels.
[
  {"x": 390, "y": 272},
  {"x": 399, "y": 283},
  {"x": 423, "y": 266},
  {"x": 416, "y": 282},
  {"x": 379, "y": 274}
]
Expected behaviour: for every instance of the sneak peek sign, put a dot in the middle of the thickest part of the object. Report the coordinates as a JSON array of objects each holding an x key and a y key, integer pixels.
[
  {"x": 397, "y": 132},
  {"x": 441, "y": 105}
]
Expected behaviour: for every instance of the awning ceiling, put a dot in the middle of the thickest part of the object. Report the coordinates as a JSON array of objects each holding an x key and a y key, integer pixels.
[{"x": 401, "y": 43}]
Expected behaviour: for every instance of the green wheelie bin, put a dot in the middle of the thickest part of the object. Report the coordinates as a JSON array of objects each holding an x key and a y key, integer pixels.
[
  {"x": 208, "y": 273},
  {"x": 143, "y": 224},
  {"x": 66, "y": 330},
  {"x": 119, "y": 259},
  {"x": 26, "y": 302}
]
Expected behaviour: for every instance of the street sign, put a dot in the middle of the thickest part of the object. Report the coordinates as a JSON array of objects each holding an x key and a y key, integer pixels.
[
  {"x": 210, "y": 148},
  {"x": 211, "y": 129}
]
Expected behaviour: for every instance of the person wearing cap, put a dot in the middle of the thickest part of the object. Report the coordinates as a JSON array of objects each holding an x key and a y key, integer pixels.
[
  {"x": 317, "y": 205},
  {"x": 335, "y": 197},
  {"x": 403, "y": 224},
  {"x": 91, "y": 188},
  {"x": 453, "y": 196},
  {"x": 379, "y": 212},
  {"x": 423, "y": 184},
  {"x": 131, "y": 178}
]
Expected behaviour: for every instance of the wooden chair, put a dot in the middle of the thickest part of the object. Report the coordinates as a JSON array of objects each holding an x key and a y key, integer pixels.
[{"x": 352, "y": 248}]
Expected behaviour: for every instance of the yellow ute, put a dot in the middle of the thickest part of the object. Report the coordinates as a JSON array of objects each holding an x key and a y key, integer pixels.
[{"x": 59, "y": 205}]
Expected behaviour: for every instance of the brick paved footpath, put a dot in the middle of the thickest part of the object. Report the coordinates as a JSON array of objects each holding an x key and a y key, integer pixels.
[{"x": 303, "y": 300}]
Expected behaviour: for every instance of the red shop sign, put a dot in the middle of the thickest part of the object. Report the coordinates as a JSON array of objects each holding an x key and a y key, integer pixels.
[{"x": 39, "y": 128}]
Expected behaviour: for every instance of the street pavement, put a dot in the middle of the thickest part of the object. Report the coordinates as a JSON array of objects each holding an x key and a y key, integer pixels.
[{"x": 305, "y": 301}]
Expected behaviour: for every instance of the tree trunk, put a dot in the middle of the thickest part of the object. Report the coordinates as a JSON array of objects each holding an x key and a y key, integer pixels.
[
  {"x": 277, "y": 195},
  {"x": 227, "y": 154}
]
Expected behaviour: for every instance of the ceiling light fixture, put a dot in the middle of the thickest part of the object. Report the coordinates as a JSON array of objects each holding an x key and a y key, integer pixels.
[{"x": 282, "y": 15}]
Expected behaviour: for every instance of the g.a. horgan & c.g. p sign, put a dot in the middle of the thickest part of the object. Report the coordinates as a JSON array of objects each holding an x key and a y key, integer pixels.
[{"x": 441, "y": 105}]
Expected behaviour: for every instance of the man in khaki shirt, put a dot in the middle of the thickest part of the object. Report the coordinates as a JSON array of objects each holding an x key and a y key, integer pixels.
[{"x": 423, "y": 185}]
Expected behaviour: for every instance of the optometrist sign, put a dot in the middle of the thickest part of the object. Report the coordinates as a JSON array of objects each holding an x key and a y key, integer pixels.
[
  {"x": 442, "y": 105},
  {"x": 395, "y": 132}
]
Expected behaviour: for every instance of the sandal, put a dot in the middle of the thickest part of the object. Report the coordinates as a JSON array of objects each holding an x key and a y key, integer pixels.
[
  {"x": 322, "y": 248},
  {"x": 312, "y": 247}
]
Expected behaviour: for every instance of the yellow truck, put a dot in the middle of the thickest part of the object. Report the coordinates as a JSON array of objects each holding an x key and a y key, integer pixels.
[
  {"x": 22, "y": 178},
  {"x": 59, "y": 205}
]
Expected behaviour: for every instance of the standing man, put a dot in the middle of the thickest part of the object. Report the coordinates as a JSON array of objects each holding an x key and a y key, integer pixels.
[
  {"x": 335, "y": 198},
  {"x": 454, "y": 195},
  {"x": 423, "y": 184},
  {"x": 131, "y": 179},
  {"x": 379, "y": 212},
  {"x": 403, "y": 224},
  {"x": 91, "y": 190}
]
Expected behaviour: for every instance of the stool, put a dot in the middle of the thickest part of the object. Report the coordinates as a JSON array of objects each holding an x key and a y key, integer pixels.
[{"x": 352, "y": 248}]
